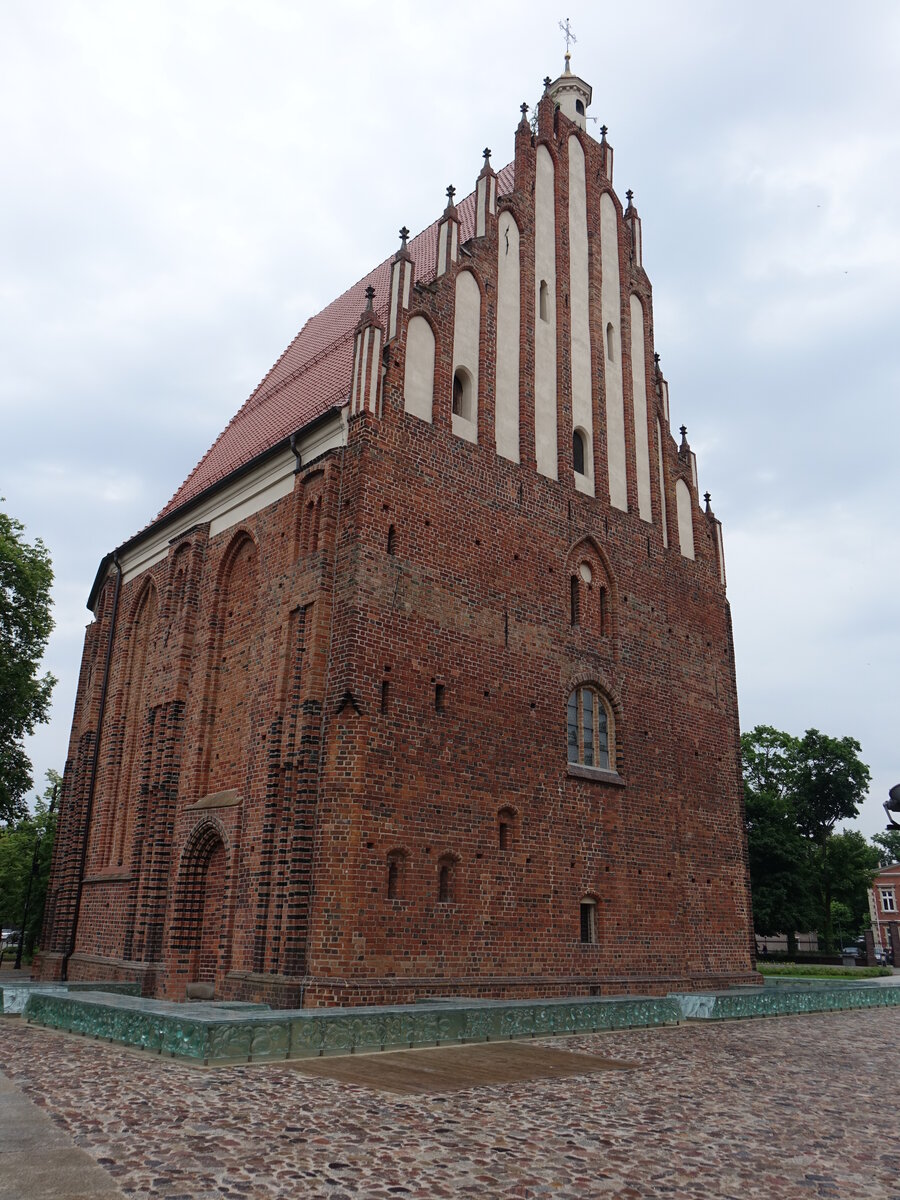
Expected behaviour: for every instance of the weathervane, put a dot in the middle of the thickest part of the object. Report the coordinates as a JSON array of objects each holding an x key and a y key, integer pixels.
[{"x": 570, "y": 36}]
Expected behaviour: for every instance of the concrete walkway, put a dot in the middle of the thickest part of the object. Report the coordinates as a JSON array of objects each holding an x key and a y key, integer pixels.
[{"x": 38, "y": 1161}]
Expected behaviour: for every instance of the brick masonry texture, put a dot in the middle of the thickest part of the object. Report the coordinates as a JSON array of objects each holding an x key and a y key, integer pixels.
[{"x": 316, "y": 720}]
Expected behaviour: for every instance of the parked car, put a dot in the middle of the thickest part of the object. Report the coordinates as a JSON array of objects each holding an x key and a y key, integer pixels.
[{"x": 859, "y": 949}]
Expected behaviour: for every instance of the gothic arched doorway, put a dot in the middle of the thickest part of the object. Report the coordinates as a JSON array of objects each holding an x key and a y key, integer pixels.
[{"x": 200, "y": 932}]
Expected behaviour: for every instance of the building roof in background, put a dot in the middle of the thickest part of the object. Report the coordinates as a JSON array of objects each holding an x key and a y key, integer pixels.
[{"x": 313, "y": 374}]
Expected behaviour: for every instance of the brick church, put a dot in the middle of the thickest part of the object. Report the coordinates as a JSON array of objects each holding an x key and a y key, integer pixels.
[{"x": 422, "y": 684}]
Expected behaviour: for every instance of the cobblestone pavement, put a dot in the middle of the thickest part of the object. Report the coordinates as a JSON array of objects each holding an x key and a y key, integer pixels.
[{"x": 781, "y": 1108}]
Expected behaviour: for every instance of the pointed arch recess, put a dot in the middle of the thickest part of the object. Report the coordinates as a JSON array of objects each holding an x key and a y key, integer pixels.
[
  {"x": 235, "y": 632},
  {"x": 592, "y": 594},
  {"x": 200, "y": 927},
  {"x": 141, "y": 626}
]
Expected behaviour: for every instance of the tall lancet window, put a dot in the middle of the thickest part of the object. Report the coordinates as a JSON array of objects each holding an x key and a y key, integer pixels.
[{"x": 578, "y": 451}]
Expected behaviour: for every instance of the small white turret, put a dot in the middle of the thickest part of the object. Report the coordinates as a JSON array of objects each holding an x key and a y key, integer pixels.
[{"x": 571, "y": 94}]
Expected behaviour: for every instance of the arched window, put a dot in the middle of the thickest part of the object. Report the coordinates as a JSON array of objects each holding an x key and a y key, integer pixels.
[
  {"x": 610, "y": 334},
  {"x": 446, "y": 880},
  {"x": 589, "y": 921},
  {"x": 578, "y": 455},
  {"x": 462, "y": 393},
  {"x": 506, "y": 826},
  {"x": 588, "y": 728},
  {"x": 395, "y": 863},
  {"x": 574, "y": 606},
  {"x": 544, "y": 301},
  {"x": 391, "y": 540},
  {"x": 579, "y": 107}
]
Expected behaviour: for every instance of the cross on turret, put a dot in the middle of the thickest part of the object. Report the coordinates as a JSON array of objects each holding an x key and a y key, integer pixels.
[
  {"x": 451, "y": 192},
  {"x": 569, "y": 35}
]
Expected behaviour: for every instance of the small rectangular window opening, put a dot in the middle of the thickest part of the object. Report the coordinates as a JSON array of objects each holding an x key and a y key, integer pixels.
[
  {"x": 588, "y": 922},
  {"x": 392, "y": 880},
  {"x": 385, "y": 694},
  {"x": 439, "y": 691},
  {"x": 504, "y": 835}
]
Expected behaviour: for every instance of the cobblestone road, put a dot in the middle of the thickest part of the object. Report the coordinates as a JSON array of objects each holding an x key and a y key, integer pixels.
[{"x": 779, "y": 1109}]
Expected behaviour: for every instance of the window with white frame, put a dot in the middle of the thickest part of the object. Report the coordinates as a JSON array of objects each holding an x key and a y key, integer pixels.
[
  {"x": 588, "y": 728},
  {"x": 888, "y": 899}
]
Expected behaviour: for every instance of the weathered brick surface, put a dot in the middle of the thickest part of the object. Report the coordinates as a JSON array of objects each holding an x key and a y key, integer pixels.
[{"x": 315, "y": 719}]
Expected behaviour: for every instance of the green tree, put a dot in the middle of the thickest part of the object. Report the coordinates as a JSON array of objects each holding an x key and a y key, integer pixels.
[
  {"x": 780, "y": 878},
  {"x": 829, "y": 782},
  {"x": 25, "y": 625},
  {"x": 851, "y": 864},
  {"x": 26, "y": 845},
  {"x": 888, "y": 845},
  {"x": 796, "y": 790}
]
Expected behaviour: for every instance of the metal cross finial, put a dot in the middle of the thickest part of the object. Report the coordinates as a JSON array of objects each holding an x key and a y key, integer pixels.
[
  {"x": 683, "y": 432},
  {"x": 604, "y": 130},
  {"x": 629, "y": 196},
  {"x": 523, "y": 109},
  {"x": 570, "y": 36},
  {"x": 547, "y": 81},
  {"x": 487, "y": 154},
  {"x": 451, "y": 192},
  {"x": 370, "y": 296},
  {"x": 404, "y": 234},
  {"x": 707, "y": 497}
]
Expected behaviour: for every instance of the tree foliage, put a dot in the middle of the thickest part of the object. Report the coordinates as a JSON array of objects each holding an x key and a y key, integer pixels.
[
  {"x": 18, "y": 843},
  {"x": 780, "y": 880},
  {"x": 888, "y": 844},
  {"x": 25, "y": 625},
  {"x": 796, "y": 790}
]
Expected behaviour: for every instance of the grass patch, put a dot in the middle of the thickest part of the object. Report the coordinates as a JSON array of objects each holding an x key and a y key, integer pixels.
[{"x": 818, "y": 971}]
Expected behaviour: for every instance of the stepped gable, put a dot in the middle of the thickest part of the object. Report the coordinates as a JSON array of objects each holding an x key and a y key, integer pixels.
[{"x": 313, "y": 374}]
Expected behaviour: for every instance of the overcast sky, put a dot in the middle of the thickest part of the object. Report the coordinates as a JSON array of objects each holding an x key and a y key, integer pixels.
[{"x": 184, "y": 184}]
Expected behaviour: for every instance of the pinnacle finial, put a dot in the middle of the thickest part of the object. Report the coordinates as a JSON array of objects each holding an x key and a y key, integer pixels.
[
  {"x": 370, "y": 298},
  {"x": 451, "y": 192},
  {"x": 523, "y": 109},
  {"x": 404, "y": 234},
  {"x": 656, "y": 359},
  {"x": 684, "y": 441},
  {"x": 604, "y": 130},
  {"x": 707, "y": 497},
  {"x": 547, "y": 82},
  {"x": 487, "y": 156},
  {"x": 629, "y": 196}
]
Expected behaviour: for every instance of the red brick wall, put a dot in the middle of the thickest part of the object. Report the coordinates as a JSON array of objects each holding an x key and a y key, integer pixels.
[{"x": 295, "y": 664}]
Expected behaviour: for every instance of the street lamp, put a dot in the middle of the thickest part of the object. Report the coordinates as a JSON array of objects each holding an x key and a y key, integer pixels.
[{"x": 893, "y": 805}]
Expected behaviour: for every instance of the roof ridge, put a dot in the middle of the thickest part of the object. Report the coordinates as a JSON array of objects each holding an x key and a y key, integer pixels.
[{"x": 251, "y": 429}]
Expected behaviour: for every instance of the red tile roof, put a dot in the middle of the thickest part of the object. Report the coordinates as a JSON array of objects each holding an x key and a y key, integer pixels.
[{"x": 313, "y": 374}]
